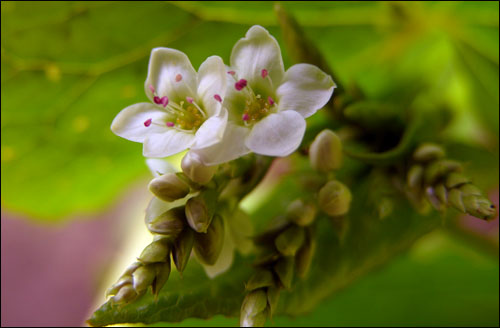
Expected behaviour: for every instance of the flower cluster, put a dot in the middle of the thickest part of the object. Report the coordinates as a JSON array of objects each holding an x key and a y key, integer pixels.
[{"x": 221, "y": 113}]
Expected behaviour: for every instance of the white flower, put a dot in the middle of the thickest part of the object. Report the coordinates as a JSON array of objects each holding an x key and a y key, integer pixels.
[
  {"x": 185, "y": 109},
  {"x": 267, "y": 106}
]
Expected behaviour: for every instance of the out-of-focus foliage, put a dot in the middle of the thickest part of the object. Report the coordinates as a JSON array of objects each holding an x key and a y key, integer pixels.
[{"x": 69, "y": 67}]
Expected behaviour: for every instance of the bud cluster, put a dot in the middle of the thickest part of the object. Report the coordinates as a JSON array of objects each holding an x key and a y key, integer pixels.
[
  {"x": 287, "y": 248},
  {"x": 443, "y": 184}
]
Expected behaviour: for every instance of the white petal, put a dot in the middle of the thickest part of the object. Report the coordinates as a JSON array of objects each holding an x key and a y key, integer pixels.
[
  {"x": 165, "y": 65},
  {"x": 168, "y": 143},
  {"x": 129, "y": 123},
  {"x": 159, "y": 166},
  {"x": 305, "y": 88},
  {"x": 225, "y": 259},
  {"x": 211, "y": 131},
  {"x": 230, "y": 147},
  {"x": 258, "y": 50},
  {"x": 277, "y": 134},
  {"x": 212, "y": 81}
]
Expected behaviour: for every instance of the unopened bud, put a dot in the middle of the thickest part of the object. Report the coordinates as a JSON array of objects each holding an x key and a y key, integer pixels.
[
  {"x": 479, "y": 207},
  {"x": 207, "y": 246},
  {"x": 441, "y": 193},
  {"x": 261, "y": 278},
  {"x": 284, "y": 269},
  {"x": 334, "y": 198},
  {"x": 252, "y": 310},
  {"x": 455, "y": 199},
  {"x": 301, "y": 213},
  {"x": 182, "y": 249},
  {"x": 126, "y": 294},
  {"x": 143, "y": 278},
  {"x": 290, "y": 240},
  {"x": 157, "y": 251},
  {"x": 455, "y": 179},
  {"x": 162, "y": 271},
  {"x": 439, "y": 169},
  {"x": 415, "y": 176},
  {"x": 169, "y": 223},
  {"x": 427, "y": 152},
  {"x": 168, "y": 187},
  {"x": 304, "y": 256},
  {"x": 470, "y": 189},
  {"x": 200, "y": 210},
  {"x": 325, "y": 153},
  {"x": 124, "y": 280},
  {"x": 193, "y": 167},
  {"x": 273, "y": 296}
]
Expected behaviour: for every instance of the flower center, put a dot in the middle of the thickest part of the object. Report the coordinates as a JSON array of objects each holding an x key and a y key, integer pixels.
[
  {"x": 257, "y": 106},
  {"x": 186, "y": 116}
]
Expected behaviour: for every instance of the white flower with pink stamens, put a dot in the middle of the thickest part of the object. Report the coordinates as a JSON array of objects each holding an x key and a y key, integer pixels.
[
  {"x": 267, "y": 106},
  {"x": 186, "y": 107}
]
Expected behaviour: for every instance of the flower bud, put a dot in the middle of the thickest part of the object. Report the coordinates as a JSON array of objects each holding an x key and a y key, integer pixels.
[
  {"x": 479, "y": 207},
  {"x": 192, "y": 166},
  {"x": 261, "y": 278},
  {"x": 273, "y": 296},
  {"x": 470, "y": 189},
  {"x": 455, "y": 180},
  {"x": 200, "y": 210},
  {"x": 455, "y": 199},
  {"x": 301, "y": 213},
  {"x": 157, "y": 251},
  {"x": 182, "y": 249},
  {"x": 325, "y": 153},
  {"x": 169, "y": 223},
  {"x": 439, "y": 169},
  {"x": 125, "y": 295},
  {"x": 441, "y": 193},
  {"x": 143, "y": 278},
  {"x": 168, "y": 187},
  {"x": 124, "y": 280},
  {"x": 290, "y": 240},
  {"x": 252, "y": 310},
  {"x": 334, "y": 198},
  {"x": 162, "y": 271},
  {"x": 427, "y": 152},
  {"x": 304, "y": 256},
  {"x": 284, "y": 270},
  {"x": 207, "y": 246},
  {"x": 415, "y": 176}
]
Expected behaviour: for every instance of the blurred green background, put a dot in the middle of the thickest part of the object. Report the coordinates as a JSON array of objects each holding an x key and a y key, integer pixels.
[{"x": 67, "y": 68}]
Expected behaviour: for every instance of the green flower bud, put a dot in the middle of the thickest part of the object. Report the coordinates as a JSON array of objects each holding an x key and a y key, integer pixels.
[
  {"x": 284, "y": 269},
  {"x": 192, "y": 167},
  {"x": 254, "y": 305},
  {"x": 266, "y": 259},
  {"x": 479, "y": 207},
  {"x": 143, "y": 278},
  {"x": 207, "y": 246},
  {"x": 124, "y": 280},
  {"x": 427, "y": 152},
  {"x": 325, "y": 153},
  {"x": 455, "y": 180},
  {"x": 334, "y": 198},
  {"x": 455, "y": 199},
  {"x": 290, "y": 240},
  {"x": 432, "y": 198},
  {"x": 182, "y": 249},
  {"x": 273, "y": 296},
  {"x": 261, "y": 278},
  {"x": 441, "y": 193},
  {"x": 301, "y": 213},
  {"x": 169, "y": 223},
  {"x": 200, "y": 210},
  {"x": 439, "y": 169},
  {"x": 157, "y": 251},
  {"x": 415, "y": 176},
  {"x": 162, "y": 271},
  {"x": 304, "y": 256},
  {"x": 168, "y": 187},
  {"x": 470, "y": 189},
  {"x": 125, "y": 295}
]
